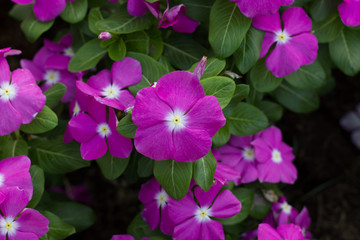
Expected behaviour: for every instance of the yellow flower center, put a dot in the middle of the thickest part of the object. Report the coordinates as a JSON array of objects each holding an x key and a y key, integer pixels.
[
  {"x": 8, "y": 225},
  {"x": 176, "y": 120}
]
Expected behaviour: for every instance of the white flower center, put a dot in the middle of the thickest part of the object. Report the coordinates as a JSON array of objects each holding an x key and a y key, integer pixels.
[
  {"x": 103, "y": 130},
  {"x": 203, "y": 214},
  {"x": 51, "y": 77},
  {"x": 69, "y": 52},
  {"x": 249, "y": 154},
  {"x": 282, "y": 37},
  {"x": 7, "y": 92},
  {"x": 286, "y": 208},
  {"x": 76, "y": 109},
  {"x": 176, "y": 120},
  {"x": 8, "y": 226},
  {"x": 276, "y": 156},
  {"x": 111, "y": 92},
  {"x": 162, "y": 198},
  {"x": 2, "y": 179}
]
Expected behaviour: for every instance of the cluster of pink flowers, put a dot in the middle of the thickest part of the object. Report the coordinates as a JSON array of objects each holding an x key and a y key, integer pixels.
[
  {"x": 263, "y": 156},
  {"x": 17, "y": 221}
]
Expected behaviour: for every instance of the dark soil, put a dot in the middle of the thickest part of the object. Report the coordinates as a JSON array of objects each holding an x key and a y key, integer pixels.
[{"x": 328, "y": 163}]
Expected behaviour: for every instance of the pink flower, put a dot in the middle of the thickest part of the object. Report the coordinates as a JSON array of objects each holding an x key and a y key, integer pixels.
[
  {"x": 138, "y": 8},
  {"x": 18, "y": 222},
  {"x": 176, "y": 18},
  {"x": 288, "y": 231},
  {"x": 274, "y": 157},
  {"x": 285, "y": 213},
  {"x": 156, "y": 202},
  {"x": 303, "y": 220},
  {"x": 20, "y": 98},
  {"x": 174, "y": 116},
  {"x": 254, "y": 8},
  {"x": 239, "y": 154},
  {"x": 93, "y": 129},
  {"x": 193, "y": 221},
  {"x": 45, "y": 10},
  {"x": 108, "y": 87},
  {"x": 295, "y": 44},
  {"x": 62, "y": 52},
  {"x": 104, "y": 36},
  {"x": 14, "y": 172},
  {"x": 349, "y": 12}
]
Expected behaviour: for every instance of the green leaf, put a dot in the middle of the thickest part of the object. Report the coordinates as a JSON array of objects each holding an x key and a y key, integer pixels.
[
  {"x": 222, "y": 136},
  {"x": 58, "y": 229},
  {"x": 121, "y": 22},
  {"x": 246, "y": 120},
  {"x": 33, "y": 28},
  {"x": 38, "y": 181},
  {"x": 308, "y": 76},
  {"x": 296, "y": 100},
  {"x": 262, "y": 79},
  {"x": 20, "y": 12},
  {"x": 328, "y": 29},
  {"x": 198, "y": 9},
  {"x": 138, "y": 228},
  {"x": 321, "y": 9},
  {"x": 112, "y": 167},
  {"x": 273, "y": 111},
  {"x": 156, "y": 43},
  {"x": 74, "y": 11},
  {"x": 145, "y": 166},
  {"x": 183, "y": 51},
  {"x": 138, "y": 42},
  {"x": 241, "y": 92},
  {"x": 117, "y": 50},
  {"x": 345, "y": 51},
  {"x": 221, "y": 87},
  {"x": 55, "y": 156},
  {"x": 54, "y": 94},
  {"x": 260, "y": 211},
  {"x": 13, "y": 148},
  {"x": 94, "y": 16},
  {"x": 228, "y": 27},
  {"x": 43, "y": 122},
  {"x": 213, "y": 67},
  {"x": 249, "y": 52},
  {"x": 246, "y": 197},
  {"x": 204, "y": 170},
  {"x": 174, "y": 177},
  {"x": 152, "y": 71},
  {"x": 126, "y": 127},
  {"x": 87, "y": 56}
]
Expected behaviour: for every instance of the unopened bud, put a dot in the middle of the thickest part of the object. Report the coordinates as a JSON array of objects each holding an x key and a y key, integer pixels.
[{"x": 104, "y": 36}]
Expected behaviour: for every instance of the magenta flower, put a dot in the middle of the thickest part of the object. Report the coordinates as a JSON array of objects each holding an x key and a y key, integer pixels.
[
  {"x": 18, "y": 222},
  {"x": 285, "y": 213},
  {"x": 92, "y": 130},
  {"x": 14, "y": 172},
  {"x": 62, "y": 52},
  {"x": 138, "y": 8},
  {"x": 50, "y": 66},
  {"x": 104, "y": 36},
  {"x": 239, "y": 154},
  {"x": 349, "y": 12},
  {"x": 303, "y": 221},
  {"x": 20, "y": 98},
  {"x": 274, "y": 157},
  {"x": 288, "y": 231},
  {"x": 295, "y": 44},
  {"x": 108, "y": 87},
  {"x": 254, "y": 8},
  {"x": 45, "y": 10},
  {"x": 174, "y": 116},
  {"x": 156, "y": 202},
  {"x": 176, "y": 18},
  {"x": 193, "y": 221}
]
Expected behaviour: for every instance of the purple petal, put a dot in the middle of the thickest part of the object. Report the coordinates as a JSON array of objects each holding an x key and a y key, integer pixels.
[
  {"x": 272, "y": 136},
  {"x": 82, "y": 127},
  {"x": 32, "y": 221},
  {"x": 230, "y": 155},
  {"x": 288, "y": 172},
  {"x": 46, "y": 10},
  {"x": 287, "y": 58},
  {"x": 86, "y": 89},
  {"x": 41, "y": 56},
  {"x": 136, "y": 8},
  {"x": 123, "y": 101},
  {"x": 126, "y": 72},
  {"x": 225, "y": 173},
  {"x": 22, "y": 1},
  {"x": 286, "y": 2},
  {"x": 122, "y": 237},
  {"x": 212, "y": 230},
  {"x": 355, "y": 138},
  {"x": 262, "y": 150},
  {"x": 69, "y": 80},
  {"x": 268, "y": 40},
  {"x": 170, "y": 16},
  {"x": 184, "y": 141},
  {"x": 149, "y": 109},
  {"x": 151, "y": 214},
  {"x": 290, "y": 232},
  {"x": 225, "y": 205},
  {"x": 93, "y": 149},
  {"x": 269, "y": 172},
  {"x": 55, "y": 47},
  {"x": 154, "y": 8},
  {"x": 10, "y": 119},
  {"x": 269, "y": 23},
  {"x": 266, "y": 232},
  {"x": 349, "y": 13},
  {"x": 241, "y": 142},
  {"x": 187, "y": 230},
  {"x": 180, "y": 211},
  {"x": 58, "y": 61},
  {"x": 205, "y": 199},
  {"x": 66, "y": 40},
  {"x": 200, "y": 67},
  {"x": 253, "y": 8},
  {"x": 67, "y": 135},
  {"x": 350, "y": 121},
  {"x": 303, "y": 219},
  {"x": 248, "y": 172},
  {"x": 4, "y": 70},
  {"x": 15, "y": 201},
  {"x": 166, "y": 223},
  {"x": 155, "y": 142},
  {"x": 185, "y": 24},
  {"x": 296, "y": 21},
  {"x": 37, "y": 72},
  {"x": 206, "y": 114},
  {"x": 100, "y": 80},
  {"x": 180, "y": 89},
  {"x": 149, "y": 190},
  {"x": 23, "y": 235},
  {"x": 97, "y": 111},
  {"x": 110, "y": 102}
]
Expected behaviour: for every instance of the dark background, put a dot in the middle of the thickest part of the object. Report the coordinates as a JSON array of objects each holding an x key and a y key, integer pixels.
[{"x": 328, "y": 164}]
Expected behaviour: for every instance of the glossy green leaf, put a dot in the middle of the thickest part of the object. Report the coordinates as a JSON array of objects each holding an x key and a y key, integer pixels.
[
  {"x": 75, "y": 11},
  {"x": 117, "y": 50},
  {"x": 213, "y": 67},
  {"x": 204, "y": 170},
  {"x": 93, "y": 17},
  {"x": 13, "y": 148},
  {"x": 222, "y": 136},
  {"x": 145, "y": 166},
  {"x": 38, "y": 181},
  {"x": 112, "y": 167},
  {"x": 241, "y": 92},
  {"x": 321, "y": 9},
  {"x": 58, "y": 229},
  {"x": 138, "y": 42},
  {"x": 262, "y": 79},
  {"x": 54, "y": 94},
  {"x": 43, "y": 122},
  {"x": 328, "y": 29},
  {"x": 33, "y": 28},
  {"x": 20, "y": 12},
  {"x": 126, "y": 127},
  {"x": 273, "y": 111},
  {"x": 221, "y": 87},
  {"x": 198, "y": 9}
]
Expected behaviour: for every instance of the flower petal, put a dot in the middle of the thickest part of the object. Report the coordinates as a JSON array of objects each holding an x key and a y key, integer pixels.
[
  {"x": 151, "y": 214},
  {"x": 93, "y": 149},
  {"x": 149, "y": 190},
  {"x": 269, "y": 23},
  {"x": 187, "y": 230},
  {"x": 266, "y": 232},
  {"x": 100, "y": 80},
  {"x": 183, "y": 210},
  {"x": 58, "y": 61},
  {"x": 46, "y": 10},
  {"x": 349, "y": 13},
  {"x": 290, "y": 232},
  {"x": 32, "y": 221},
  {"x": 4, "y": 70},
  {"x": 350, "y": 121},
  {"x": 166, "y": 223},
  {"x": 268, "y": 40},
  {"x": 184, "y": 24},
  {"x": 212, "y": 230},
  {"x": 205, "y": 199},
  {"x": 97, "y": 111},
  {"x": 230, "y": 155},
  {"x": 126, "y": 72},
  {"x": 37, "y": 72},
  {"x": 10, "y": 119},
  {"x": 82, "y": 127},
  {"x": 269, "y": 172},
  {"x": 296, "y": 21},
  {"x": 23, "y": 235},
  {"x": 288, "y": 172},
  {"x": 15, "y": 201},
  {"x": 225, "y": 205},
  {"x": 136, "y": 8},
  {"x": 253, "y": 8}
]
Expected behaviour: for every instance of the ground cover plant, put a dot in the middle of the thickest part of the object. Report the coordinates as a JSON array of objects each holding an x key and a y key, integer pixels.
[{"x": 178, "y": 104}]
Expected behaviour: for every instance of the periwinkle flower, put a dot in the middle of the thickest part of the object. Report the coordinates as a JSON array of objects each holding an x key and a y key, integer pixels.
[
  {"x": 253, "y": 8},
  {"x": 349, "y": 11},
  {"x": 174, "y": 116},
  {"x": 288, "y": 231},
  {"x": 138, "y": 8},
  {"x": 285, "y": 212},
  {"x": 295, "y": 44}
]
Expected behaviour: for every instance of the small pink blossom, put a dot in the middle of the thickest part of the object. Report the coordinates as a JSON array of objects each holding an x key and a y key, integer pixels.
[
  {"x": 349, "y": 11},
  {"x": 177, "y": 19},
  {"x": 104, "y": 36},
  {"x": 288, "y": 231}
]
